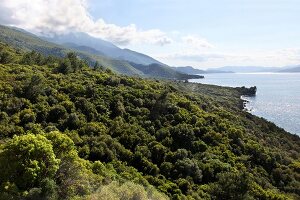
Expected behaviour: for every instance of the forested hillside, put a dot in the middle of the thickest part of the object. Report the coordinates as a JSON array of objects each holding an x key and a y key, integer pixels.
[
  {"x": 26, "y": 41},
  {"x": 69, "y": 131},
  {"x": 81, "y": 40}
]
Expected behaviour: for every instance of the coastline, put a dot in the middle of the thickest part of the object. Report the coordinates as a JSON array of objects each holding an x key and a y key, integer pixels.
[{"x": 245, "y": 103}]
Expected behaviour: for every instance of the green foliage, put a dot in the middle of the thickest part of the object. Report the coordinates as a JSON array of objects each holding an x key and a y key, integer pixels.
[
  {"x": 82, "y": 133},
  {"x": 29, "y": 42},
  {"x": 27, "y": 160},
  {"x": 5, "y": 56},
  {"x": 126, "y": 190},
  {"x": 70, "y": 63},
  {"x": 231, "y": 185}
]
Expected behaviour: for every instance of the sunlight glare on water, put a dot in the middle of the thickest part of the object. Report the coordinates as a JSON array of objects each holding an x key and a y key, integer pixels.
[{"x": 277, "y": 99}]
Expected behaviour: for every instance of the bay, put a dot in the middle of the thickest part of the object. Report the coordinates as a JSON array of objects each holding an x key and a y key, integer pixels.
[{"x": 277, "y": 98}]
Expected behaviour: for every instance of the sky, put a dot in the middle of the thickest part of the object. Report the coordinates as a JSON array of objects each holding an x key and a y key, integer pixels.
[{"x": 198, "y": 33}]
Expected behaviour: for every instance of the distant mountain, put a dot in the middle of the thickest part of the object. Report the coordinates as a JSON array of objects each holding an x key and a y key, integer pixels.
[
  {"x": 84, "y": 48},
  {"x": 295, "y": 69},
  {"x": 163, "y": 71},
  {"x": 191, "y": 70},
  {"x": 23, "y": 40},
  {"x": 247, "y": 69},
  {"x": 215, "y": 71},
  {"x": 257, "y": 69},
  {"x": 106, "y": 48}
]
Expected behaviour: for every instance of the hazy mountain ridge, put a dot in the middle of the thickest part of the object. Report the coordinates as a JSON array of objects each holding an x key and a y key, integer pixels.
[
  {"x": 192, "y": 70},
  {"x": 189, "y": 70},
  {"x": 23, "y": 40},
  {"x": 254, "y": 69},
  {"x": 238, "y": 69},
  {"x": 164, "y": 71},
  {"x": 84, "y": 48},
  {"x": 295, "y": 69},
  {"x": 107, "y": 48}
]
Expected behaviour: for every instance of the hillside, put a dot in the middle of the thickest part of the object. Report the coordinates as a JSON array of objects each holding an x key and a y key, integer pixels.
[
  {"x": 29, "y": 42},
  {"x": 108, "y": 49},
  {"x": 26, "y": 41},
  {"x": 72, "y": 132},
  {"x": 189, "y": 70},
  {"x": 141, "y": 62},
  {"x": 163, "y": 71},
  {"x": 247, "y": 69}
]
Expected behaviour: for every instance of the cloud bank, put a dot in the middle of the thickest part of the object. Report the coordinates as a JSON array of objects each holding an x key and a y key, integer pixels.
[
  {"x": 49, "y": 17},
  {"x": 196, "y": 42}
]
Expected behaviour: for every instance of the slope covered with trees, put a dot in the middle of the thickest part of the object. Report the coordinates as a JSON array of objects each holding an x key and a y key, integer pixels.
[
  {"x": 80, "y": 40},
  {"x": 68, "y": 131},
  {"x": 26, "y": 41}
]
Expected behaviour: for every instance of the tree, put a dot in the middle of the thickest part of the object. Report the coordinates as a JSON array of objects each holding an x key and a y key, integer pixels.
[
  {"x": 26, "y": 160},
  {"x": 232, "y": 185},
  {"x": 33, "y": 58},
  {"x": 34, "y": 87},
  {"x": 188, "y": 167},
  {"x": 62, "y": 145},
  {"x": 96, "y": 65},
  {"x": 56, "y": 113},
  {"x": 117, "y": 107},
  {"x": 76, "y": 63},
  {"x": 5, "y": 57},
  {"x": 65, "y": 66},
  {"x": 183, "y": 135}
]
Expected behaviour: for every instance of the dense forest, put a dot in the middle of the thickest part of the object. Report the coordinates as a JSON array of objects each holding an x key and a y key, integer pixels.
[{"x": 73, "y": 131}]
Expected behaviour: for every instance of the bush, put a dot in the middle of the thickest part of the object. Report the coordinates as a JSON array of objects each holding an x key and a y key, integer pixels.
[
  {"x": 125, "y": 191},
  {"x": 26, "y": 160}
]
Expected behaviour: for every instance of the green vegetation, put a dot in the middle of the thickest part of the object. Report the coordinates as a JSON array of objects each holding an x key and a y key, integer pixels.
[
  {"x": 163, "y": 71},
  {"x": 68, "y": 131},
  {"x": 25, "y": 41}
]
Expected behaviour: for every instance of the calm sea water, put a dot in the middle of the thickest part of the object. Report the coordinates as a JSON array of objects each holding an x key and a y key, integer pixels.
[{"x": 277, "y": 99}]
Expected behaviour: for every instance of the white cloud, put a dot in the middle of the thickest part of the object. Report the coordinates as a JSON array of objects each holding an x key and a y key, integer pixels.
[
  {"x": 62, "y": 16},
  {"x": 195, "y": 57},
  {"x": 196, "y": 42}
]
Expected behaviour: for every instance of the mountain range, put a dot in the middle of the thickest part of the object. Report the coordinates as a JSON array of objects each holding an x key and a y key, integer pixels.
[
  {"x": 192, "y": 70},
  {"x": 257, "y": 69},
  {"x": 82, "y": 41},
  {"x": 239, "y": 69},
  {"x": 122, "y": 61},
  {"x": 292, "y": 69}
]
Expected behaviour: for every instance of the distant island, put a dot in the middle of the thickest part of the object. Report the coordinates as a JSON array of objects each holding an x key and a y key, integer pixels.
[
  {"x": 291, "y": 70},
  {"x": 191, "y": 70},
  {"x": 258, "y": 69},
  {"x": 237, "y": 69}
]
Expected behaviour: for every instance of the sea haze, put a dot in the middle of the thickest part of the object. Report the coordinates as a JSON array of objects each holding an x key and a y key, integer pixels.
[{"x": 277, "y": 99}]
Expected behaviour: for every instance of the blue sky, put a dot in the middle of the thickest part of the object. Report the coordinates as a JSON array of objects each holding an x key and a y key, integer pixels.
[
  {"x": 232, "y": 26},
  {"x": 200, "y": 33}
]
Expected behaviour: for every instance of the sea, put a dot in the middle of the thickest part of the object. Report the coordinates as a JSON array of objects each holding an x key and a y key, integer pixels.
[{"x": 277, "y": 98}]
